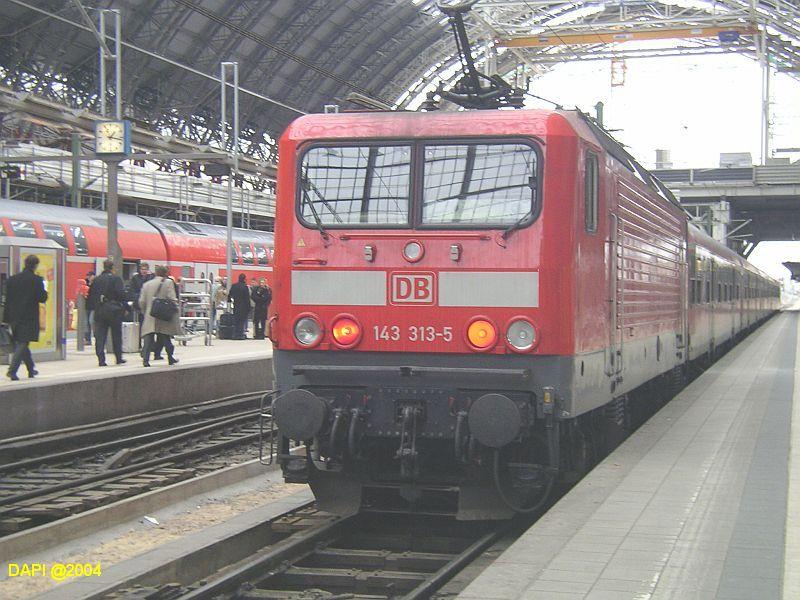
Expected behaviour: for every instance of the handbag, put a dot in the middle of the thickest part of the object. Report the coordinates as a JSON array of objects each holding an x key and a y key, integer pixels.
[
  {"x": 162, "y": 309},
  {"x": 109, "y": 311}
]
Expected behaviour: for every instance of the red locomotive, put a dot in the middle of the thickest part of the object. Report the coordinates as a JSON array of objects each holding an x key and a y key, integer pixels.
[
  {"x": 189, "y": 249},
  {"x": 462, "y": 299}
]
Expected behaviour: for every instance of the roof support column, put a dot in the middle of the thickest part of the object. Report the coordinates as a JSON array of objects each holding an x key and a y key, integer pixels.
[{"x": 765, "y": 81}]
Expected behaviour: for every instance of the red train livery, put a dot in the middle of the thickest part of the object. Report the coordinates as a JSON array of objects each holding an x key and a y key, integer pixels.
[
  {"x": 464, "y": 299},
  {"x": 189, "y": 249}
]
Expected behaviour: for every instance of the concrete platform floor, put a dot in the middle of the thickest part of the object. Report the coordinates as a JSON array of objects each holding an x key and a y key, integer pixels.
[
  {"x": 701, "y": 502},
  {"x": 83, "y": 365}
]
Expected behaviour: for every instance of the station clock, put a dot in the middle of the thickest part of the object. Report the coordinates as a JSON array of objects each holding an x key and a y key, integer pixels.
[{"x": 112, "y": 137}]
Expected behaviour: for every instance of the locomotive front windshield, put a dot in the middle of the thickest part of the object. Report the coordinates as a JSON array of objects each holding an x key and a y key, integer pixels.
[{"x": 462, "y": 184}]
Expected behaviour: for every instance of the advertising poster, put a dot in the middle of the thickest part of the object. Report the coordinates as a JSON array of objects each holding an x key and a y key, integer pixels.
[{"x": 47, "y": 270}]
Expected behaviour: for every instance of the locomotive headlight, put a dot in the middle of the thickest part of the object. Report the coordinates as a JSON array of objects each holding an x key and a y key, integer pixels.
[
  {"x": 307, "y": 331},
  {"x": 413, "y": 251},
  {"x": 346, "y": 331},
  {"x": 521, "y": 335},
  {"x": 481, "y": 334}
]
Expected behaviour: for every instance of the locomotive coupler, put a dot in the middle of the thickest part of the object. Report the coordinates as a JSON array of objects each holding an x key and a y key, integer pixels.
[{"x": 407, "y": 453}]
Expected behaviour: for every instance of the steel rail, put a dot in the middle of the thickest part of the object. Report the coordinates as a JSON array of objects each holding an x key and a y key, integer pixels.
[
  {"x": 158, "y": 436},
  {"x": 6, "y": 504},
  {"x": 91, "y": 429}
]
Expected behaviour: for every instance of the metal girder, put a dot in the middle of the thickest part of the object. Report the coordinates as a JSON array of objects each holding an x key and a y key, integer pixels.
[{"x": 306, "y": 53}]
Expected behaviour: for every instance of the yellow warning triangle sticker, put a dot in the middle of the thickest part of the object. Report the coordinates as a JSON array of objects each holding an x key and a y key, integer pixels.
[{"x": 301, "y": 243}]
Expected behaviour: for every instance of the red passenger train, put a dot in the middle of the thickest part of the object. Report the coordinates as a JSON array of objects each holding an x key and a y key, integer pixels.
[
  {"x": 188, "y": 249},
  {"x": 464, "y": 301}
]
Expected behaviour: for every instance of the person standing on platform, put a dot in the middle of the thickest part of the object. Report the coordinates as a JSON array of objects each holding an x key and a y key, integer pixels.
[
  {"x": 142, "y": 276},
  {"x": 219, "y": 296},
  {"x": 240, "y": 296},
  {"x": 157, "y": 332},
  {"x": 89, "y": 309},
  {"x": 262, "y": 296},
  {"x": 109, "y": 293},
  {"x": 24, "y": 292}
]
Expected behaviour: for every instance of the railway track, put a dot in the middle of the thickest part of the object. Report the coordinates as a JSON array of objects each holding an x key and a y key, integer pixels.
[
  {"x": 46, "y": 477},
  {"x": 362, "y": 556}
]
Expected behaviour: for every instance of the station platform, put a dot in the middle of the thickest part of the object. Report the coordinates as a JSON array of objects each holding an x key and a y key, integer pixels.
[
  {"x": 77, "y": 391},
  {"x": 703, "y": 501}
]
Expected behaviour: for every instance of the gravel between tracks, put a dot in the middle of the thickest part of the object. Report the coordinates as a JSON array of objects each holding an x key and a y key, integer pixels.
[{"x": 137, "y": 538}]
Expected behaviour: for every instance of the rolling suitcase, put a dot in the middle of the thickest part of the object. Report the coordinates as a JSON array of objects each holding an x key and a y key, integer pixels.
[
  {"x": 225, "y": 329},
  {"x": 130, "y": 336}
]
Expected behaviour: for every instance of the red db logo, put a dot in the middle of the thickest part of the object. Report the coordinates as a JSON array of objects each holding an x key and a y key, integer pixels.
[{"x": 413, "y": 288}]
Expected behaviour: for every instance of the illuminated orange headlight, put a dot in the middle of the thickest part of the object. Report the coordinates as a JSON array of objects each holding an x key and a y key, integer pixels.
[
  {"x": 346, "y": 332},
  {"x": 482, "y": 334}
]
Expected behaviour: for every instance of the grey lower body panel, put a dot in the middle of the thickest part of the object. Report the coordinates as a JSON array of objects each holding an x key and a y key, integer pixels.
[{"x": 581, "y": 382}]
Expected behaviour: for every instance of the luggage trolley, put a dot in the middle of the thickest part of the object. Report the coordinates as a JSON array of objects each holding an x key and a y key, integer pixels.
[{"x": 195, "y": 300}]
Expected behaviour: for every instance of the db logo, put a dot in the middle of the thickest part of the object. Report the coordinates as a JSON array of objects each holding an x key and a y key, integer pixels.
[{"x": 413, "y": 288}]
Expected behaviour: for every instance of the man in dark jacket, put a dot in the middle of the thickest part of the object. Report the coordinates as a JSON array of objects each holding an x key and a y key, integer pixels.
[
  {"x": 240, "y": 295},
  {"x": 108, "y": 293},
  {"x": 142, "y": 276},
  {"x": 262, "y": 296},
  {"x": 24, "y": 292}
]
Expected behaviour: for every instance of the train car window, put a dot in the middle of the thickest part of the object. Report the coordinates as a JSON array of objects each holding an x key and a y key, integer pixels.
[
  {"x": 81, "y": 246},
  {"x": 235, "y": 253},
  {"x": 591, "y": 185},
  {"x": 191, "y": 228},
  {"x": 707, "y": 297},
  {"x": 261, "y": 254},
  {"x": 55, "y": 233},
  {"x": 2, "y": 230},
  {"x": 248, "y": 257},
  {"x": 23, "y": 229},
  {"x": 355, "y": 185},
  {"x": 476, "y": 184}
]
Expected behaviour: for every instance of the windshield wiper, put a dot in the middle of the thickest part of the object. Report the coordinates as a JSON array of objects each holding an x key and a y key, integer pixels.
[
  {"x": 307, "y": 201},
  {"x": 511, "y": 228}
]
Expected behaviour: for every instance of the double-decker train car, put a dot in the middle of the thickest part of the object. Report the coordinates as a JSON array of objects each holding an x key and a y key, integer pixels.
[
  {"x": 463, "y": 298},
  {"x": 188, "y": 249}
]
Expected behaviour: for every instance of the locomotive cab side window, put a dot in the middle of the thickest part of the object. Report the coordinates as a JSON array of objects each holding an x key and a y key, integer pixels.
[{"x": 590, "y": 192}]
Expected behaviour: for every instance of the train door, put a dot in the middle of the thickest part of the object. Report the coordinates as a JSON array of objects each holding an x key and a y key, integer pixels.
[{"x": 207, "y": 270}]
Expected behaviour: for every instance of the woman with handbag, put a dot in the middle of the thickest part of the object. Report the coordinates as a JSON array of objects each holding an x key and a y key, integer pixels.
[{"x": 161, "y": 319}]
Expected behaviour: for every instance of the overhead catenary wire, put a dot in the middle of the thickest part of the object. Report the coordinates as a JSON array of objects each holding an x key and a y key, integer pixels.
[{"x": 156, "y": 56}]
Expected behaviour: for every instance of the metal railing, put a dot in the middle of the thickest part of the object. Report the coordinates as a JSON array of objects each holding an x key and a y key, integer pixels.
[
  {"x": 141, "y": 183},
  {"x": 761, "y": 175}
]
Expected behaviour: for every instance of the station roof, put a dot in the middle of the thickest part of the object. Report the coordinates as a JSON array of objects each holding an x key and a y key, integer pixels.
[{"x": 296, "y": 56}]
